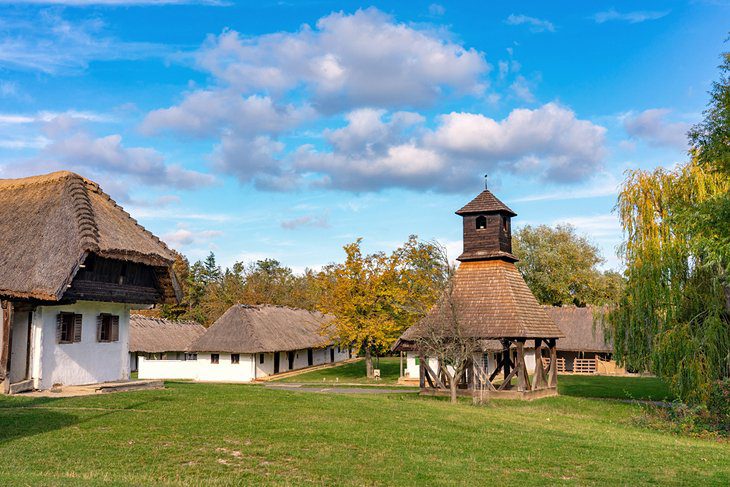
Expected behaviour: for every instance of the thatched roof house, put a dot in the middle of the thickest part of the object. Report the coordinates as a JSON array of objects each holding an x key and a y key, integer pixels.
[
  {"x": 264, "y": 328},
  {"x": 582, "y": 332},
  {"x": 50, "y": 225},
  {"x": 158, "y": 335},
  {"x": 73, "y": 264}
]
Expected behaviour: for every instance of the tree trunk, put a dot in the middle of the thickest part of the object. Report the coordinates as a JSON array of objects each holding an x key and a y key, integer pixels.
[
  {"x": 453, "y": 385},
  {"x": 368, "y": 362}
]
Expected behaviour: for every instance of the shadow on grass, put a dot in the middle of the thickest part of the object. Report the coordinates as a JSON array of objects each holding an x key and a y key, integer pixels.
[{"x": 35, "y": 416}]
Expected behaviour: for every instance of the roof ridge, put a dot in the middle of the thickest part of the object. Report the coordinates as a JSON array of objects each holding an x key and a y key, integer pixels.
[
  {"x": 96, "y": 188},
  {"x": 17, "y": 183},
  {"x": 84, "y": 213}
]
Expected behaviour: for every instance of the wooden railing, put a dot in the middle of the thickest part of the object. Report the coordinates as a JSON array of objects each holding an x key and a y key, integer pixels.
[
  {"x": 584, "y": 366},
  {"x": 560, "y": 361}
]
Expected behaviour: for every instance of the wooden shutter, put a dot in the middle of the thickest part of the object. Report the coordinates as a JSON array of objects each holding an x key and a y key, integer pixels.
[
  {"x": 99, "y": 326},
  {"x": 59, "y": 327},
  {"x": 114, "y": 329},
  {"x": 77, "y": 328}
]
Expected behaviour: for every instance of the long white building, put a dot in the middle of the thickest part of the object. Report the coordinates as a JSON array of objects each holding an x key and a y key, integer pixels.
[{"x": 245, "y": 344}]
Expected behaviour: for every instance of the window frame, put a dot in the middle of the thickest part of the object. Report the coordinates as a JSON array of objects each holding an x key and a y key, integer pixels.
[
  {"x": 215, "y": 358},
  {"x": 109, "y": 322},
  {"x": 262, "y": 358},
  {"x": 479, "y": 219},
  {"x": 235, "y": 358},
  {"x": 72, "y": 330}
]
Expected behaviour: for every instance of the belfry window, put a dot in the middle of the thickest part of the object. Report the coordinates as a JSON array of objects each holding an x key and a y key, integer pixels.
[
  {"x": 481, "y": 222},
  {"x": 505, "y": 227}
]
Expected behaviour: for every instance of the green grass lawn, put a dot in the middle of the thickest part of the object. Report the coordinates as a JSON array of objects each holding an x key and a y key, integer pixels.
[
  {"x": 639, "y": 388},
  {"x": 352, "y": 373},
  {"x": 218, "y": 434}
]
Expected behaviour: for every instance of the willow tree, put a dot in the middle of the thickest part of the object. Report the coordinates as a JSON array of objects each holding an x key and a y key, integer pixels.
[{"x": 672, "y": 318}]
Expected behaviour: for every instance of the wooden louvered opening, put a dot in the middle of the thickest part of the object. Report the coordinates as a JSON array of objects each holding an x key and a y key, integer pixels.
[{"x": 107, "y": 328}]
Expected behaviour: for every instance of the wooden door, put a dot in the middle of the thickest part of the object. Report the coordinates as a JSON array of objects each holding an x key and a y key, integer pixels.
[
  {"x": 291, "y": 360},
  {"x": 310, "y": 357},
  {"x": 332, "y": 354},
  {"x": 276, "y": 362}
]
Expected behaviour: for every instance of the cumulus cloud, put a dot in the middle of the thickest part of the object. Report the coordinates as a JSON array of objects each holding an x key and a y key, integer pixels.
[
  {"x": 365, "y": 58},
  {"x": 549, "y": 143},
  {"x": 634, "y": 17},
  {"x": 535, "y": 24},
  {"x": 653, "y": 127},
  {"x": 306, "y": 221}
]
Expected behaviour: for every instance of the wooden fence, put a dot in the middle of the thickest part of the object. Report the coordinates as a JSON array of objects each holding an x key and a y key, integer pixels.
[
  {"x": 584, "y": 366},
  {"x": 560, "y": 361}
]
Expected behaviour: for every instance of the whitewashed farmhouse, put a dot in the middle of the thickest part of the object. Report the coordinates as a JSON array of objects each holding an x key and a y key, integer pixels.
[
  {"x": 158, "y": 347},
  {"x": 72, "y": 266},
  {"x": 250, "y": 342}
]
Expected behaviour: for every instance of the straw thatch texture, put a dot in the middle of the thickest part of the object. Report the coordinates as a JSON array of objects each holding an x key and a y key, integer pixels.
[
  {"x": 582, "y": 334},
  {"x": 50, "y": 223},
  {"x": 485, "y": 202},
  {"x": 264, "y": 328},
  {"x": 157, "y": 335}
]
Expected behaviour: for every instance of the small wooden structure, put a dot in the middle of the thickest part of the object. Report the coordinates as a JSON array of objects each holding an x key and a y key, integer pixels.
[{"x": 496, "y": 306}]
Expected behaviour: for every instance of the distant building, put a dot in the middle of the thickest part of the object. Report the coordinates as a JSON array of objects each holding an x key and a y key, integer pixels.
[
  {"x": 72, "y": 265},
  {"x": 158, "y": 348}
]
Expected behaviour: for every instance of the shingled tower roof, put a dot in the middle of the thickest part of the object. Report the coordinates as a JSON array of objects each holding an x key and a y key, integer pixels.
[{"x": 485, "y": 202}]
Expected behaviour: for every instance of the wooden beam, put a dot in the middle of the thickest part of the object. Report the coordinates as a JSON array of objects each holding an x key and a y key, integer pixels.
[
  {"x": 7, "y": 311},
  {"x": 400, "y": 375},
  {"x": 498, "y": 368},
  {"x": 553, "y": 373},
  {"x": 540, "y": 379},
  {"x": 523, "y": 379},
  {"x": 507, "y": 362},
  {"x": 435, "y": 377},
  {"x": 421, "y": 372},
  {"x": 506, "y": 384}
]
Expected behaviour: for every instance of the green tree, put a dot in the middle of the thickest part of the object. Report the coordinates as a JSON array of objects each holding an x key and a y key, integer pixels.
[{"x": 561, "y": 267}]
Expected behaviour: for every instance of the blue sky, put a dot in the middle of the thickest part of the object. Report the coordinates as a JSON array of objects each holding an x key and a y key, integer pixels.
[{"x": 287, "y": 129}]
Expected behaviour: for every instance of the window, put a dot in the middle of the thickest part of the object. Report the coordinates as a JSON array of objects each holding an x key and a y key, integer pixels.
[
  {"x": 107, "y": 328},
  {"x": 68, "y": 328},
  {"x": 235, "y": 358},
  {"x": 191, "y": 356},
  {"x": 504, "y": 224},
  {"x": 214, "y": 358},
  {"x": 418, "y": 361},
  {"x": 261, "y": 358},
  {"x": 481, "y": 222}
]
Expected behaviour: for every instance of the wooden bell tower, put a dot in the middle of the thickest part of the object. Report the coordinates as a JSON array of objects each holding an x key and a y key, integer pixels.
[{"x": 487, "y": 229}]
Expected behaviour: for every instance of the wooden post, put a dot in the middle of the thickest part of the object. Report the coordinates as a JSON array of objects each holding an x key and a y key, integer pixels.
[
  {"x": 523, "y": 380},
  {"x": 7, "y": 320},
  {"x": 553, "y": 373},
  {"x": 507, "y": 362},
  {"x": 421, "y": 372},
  {"x": 401, "y": 365},
  {"x": 540, "y": 381}
]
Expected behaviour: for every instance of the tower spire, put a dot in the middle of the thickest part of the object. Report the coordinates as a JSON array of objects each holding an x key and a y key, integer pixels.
[{"x": 486, "y": 176}]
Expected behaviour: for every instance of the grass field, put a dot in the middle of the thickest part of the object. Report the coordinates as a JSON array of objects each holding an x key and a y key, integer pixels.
[
  {"x": 352, "y": 373},
  {"x": 240, "y": 434}
]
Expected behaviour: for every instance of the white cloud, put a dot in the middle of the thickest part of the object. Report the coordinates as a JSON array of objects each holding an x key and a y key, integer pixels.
[
  {"x": 184, "y": 237},
  {"x": 306, "y": 221},
  {"x": 604, "y": 184},
  {"x": 634, "y": 17},
  {"x": 51, "y": 44},
  {"x": 365, "y": 58},
  {"x": 521, "y": 89},
  {"x": 652, "y": 127},
  {"x": 535, "y": 24},
  {"x": 436, "y": 10},
  {"x": 548, "y": 143}
]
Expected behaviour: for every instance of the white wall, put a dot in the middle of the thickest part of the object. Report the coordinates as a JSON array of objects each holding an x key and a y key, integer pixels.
[
  {"x": 224, "y": 370},
  {"x": 413, "y": 369},
  {"x": 87, "y": 361},
  {"x": 166, "y": 369}
]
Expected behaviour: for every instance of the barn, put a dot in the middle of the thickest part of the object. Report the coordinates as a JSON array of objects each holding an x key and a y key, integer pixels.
[{"x": 73, "y": 264}]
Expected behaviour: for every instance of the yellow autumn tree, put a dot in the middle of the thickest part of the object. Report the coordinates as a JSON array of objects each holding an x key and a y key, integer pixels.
[{"x": 375, "y": 297}]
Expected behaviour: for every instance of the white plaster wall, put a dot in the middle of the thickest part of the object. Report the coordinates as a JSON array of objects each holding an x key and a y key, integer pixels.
[
  {"x": 413, "y": 370},
  {"x": 167, "y": 369},
  {"x": 267, "y": 368},
  {"x": 225, "y": 371},
  {"x": 19, "y": 343},
  {"x": 86, "y": 362}
]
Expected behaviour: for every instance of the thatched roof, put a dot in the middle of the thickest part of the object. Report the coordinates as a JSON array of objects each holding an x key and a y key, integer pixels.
[
  {"x": 264, "y": 328},
  {"x": 582, "y": 333},
  {"x": 50, "y": 223},
  {"x": 155, "y": 335},
  {"x": 492, "y": 301},
  {"x": 485, "y": 202}
]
